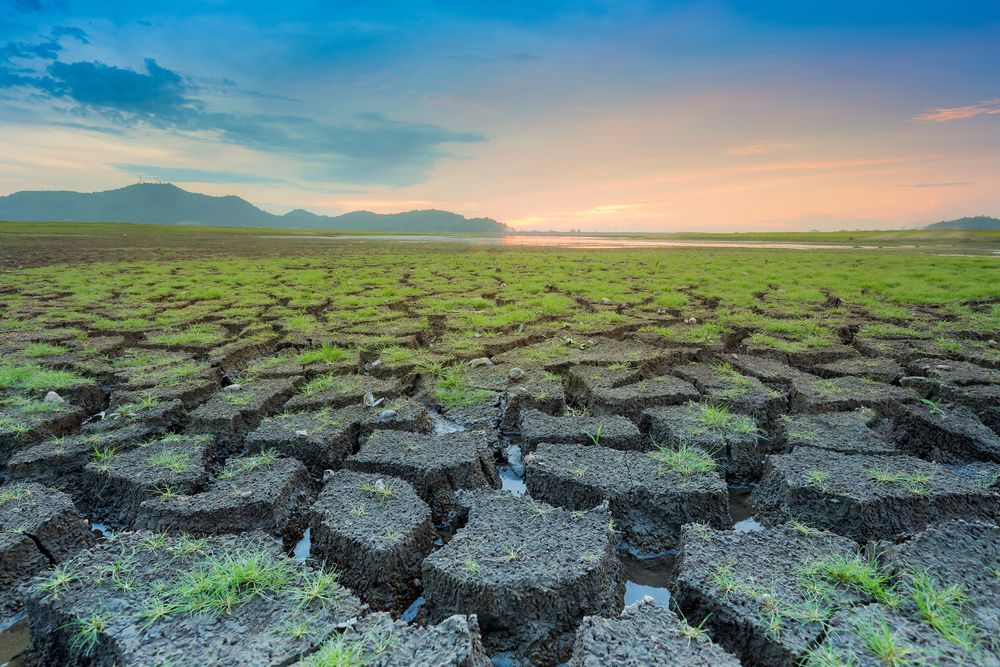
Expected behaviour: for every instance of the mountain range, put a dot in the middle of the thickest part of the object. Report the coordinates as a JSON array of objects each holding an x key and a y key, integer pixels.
[
  {"x": 977, "y": 222},
  {"x": 167, "y": 204}
]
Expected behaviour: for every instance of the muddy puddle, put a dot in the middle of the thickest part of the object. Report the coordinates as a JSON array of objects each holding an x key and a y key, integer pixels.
[
  {"x": 741, "y": 511},
  {"x": 647, "y": 576},
  {"x": 14, "y": 638}
]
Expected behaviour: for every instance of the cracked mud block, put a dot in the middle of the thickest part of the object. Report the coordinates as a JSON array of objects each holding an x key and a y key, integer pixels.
[
  {"x": 25, "y": 421},
  {"x": 436, "y": 465},
  {"x": 806, "y": 357},
  {"x": 902, "y": 350},
  {"x": 191, "y": 393},
  {"x": 882, "y": 370},
  {"x": 612, "y": 431},
  {"x": 732, "y": 440},
  {"x": 59, "y": 462},
  {"x": 237, "y": 354},
  {"x": 320, "y": 439},
  {"x": 983, "y": 399},
  {"x": 529, "y": 571},
  {"x": 813, "y": 394},
  {"x": 375, "y": 531},
  {"x": 339, "y": 391},
  {"x": 872, "y": 497},
  {"x": 768, "y": 371},
  {"x": 645, "y": 634},
  {"x": 537, "y": 390},
  {"x": 582, "y": 381},
  {"x": 115, "y": 485},
  {"x": 454, "y": 642},
  {"x": 649, "y": 498},
  {"x": 39, "y": 528},
  {"x": 948, "y": 435},
  {"x": 844, "y": 432},
  {"x": 261, "y": 492},
  {"x": 959, "y": 373},
  {"x": 233, "y": 413},
  {"x": 559, "y": 354},
  {"x": 148, "y": 599},
  {"x": 148, "y": 416},
  {"x": 764, "y": 595},
  {"x": 630, "y": 400},
  {"x": 399, "y": 414},
  {"x": 723, "y": 385},
  {"x": 963, "y": 554},
  {"x": 481, "y": 415},
  {"x": 865, "y": 635}
]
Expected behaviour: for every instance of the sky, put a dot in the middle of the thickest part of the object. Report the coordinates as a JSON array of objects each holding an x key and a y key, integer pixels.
[{"x": 590, "y": 115}]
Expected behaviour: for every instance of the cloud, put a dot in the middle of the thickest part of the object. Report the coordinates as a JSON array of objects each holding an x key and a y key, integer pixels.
[
  {"x": 47, "y": 50},
  {"x": 989, "y": 107},
  {"x": 761, "y": 147},
  {"x": 39, "y": 6},
  {"x": 192, "y": 175},
  {"x": 368, "y": 148},
  {"x": 946, "y": 184}
]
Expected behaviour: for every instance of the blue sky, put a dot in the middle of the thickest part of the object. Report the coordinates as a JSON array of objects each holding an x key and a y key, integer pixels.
[{"x": 592, "y": 115}]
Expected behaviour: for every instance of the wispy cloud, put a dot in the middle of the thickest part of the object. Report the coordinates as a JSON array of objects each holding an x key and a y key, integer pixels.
[
  {"x": 945, "y": 184},
  {"x": 367, "y": 148},
  {"x": 989, "y": 107},
  {"x": 761, "y": 147}
]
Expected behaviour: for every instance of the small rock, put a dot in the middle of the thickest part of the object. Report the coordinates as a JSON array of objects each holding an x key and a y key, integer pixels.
[
  {"x": 370, "y": 401},
  {"x": 386, "y": 415},
  {"x": 605, "y": 300},
  {"x": 245, "y": 494},
  {"x": 515, "y": 374},
  {"x": 328, "y": 475},
  {"x": 690, "y": 320},
  {"x": 302, "y": 432},
  {"x": 53, "y": 397},
  {"x": 232, "y": 387},
  {"x": 520, "y": 328},
  {"x": 481, "y": 361}
]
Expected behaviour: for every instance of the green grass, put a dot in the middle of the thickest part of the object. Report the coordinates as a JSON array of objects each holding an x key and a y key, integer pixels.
[
  {"x": 683, "y": 460},
  {"x": 175, "y": 461},
  {"x": 14, "y": 493},
  {"x": 327, "y": 354},
  {"x": 29, "y": 377},
  {"x": 943, "y": 608},
  {"x": 720, "y": 420}
]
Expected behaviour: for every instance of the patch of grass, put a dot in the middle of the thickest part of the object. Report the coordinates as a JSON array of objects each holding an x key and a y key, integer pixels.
[
  {"x": 719, "y": 419},
  {"x": 87, "y": 632},
  {"x": 470, "y": 565},
  {"x": 943, "y": 608},
  {"x": 383, "y": 491},
  {"x": 817, "y": 477},
  {"x": 453, "y": 391},
  {"x": 890, "y": 650},
  {"x": 58, "y": 577},
  {"x": 327, "y": 354},
  {"x": 683, "y": 460},
  {"x": 29, "y": 377},
  {"x": 855, "y": 572},
  {"x": 917, "y": 483},
  {"x": 38, "y": 350},
  {"x": 175, "y": 461},
  {"x": 14, "y": 493}
]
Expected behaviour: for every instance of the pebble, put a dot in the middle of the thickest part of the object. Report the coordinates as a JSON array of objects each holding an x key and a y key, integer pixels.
[
  {"x": 481, "y": 361},
  {"x": 386, "y": 415},
  {"x": 53, "y": 397},
  {"x": 302, "y": 432},
  {"x": 232, "y": 387},
  {"x": 515, "y": 374}
]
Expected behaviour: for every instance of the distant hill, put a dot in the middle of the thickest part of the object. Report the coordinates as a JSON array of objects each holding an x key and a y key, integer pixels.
[
  {"x": 165, "y": 204},
  {"x": 977, "y": 222}
]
